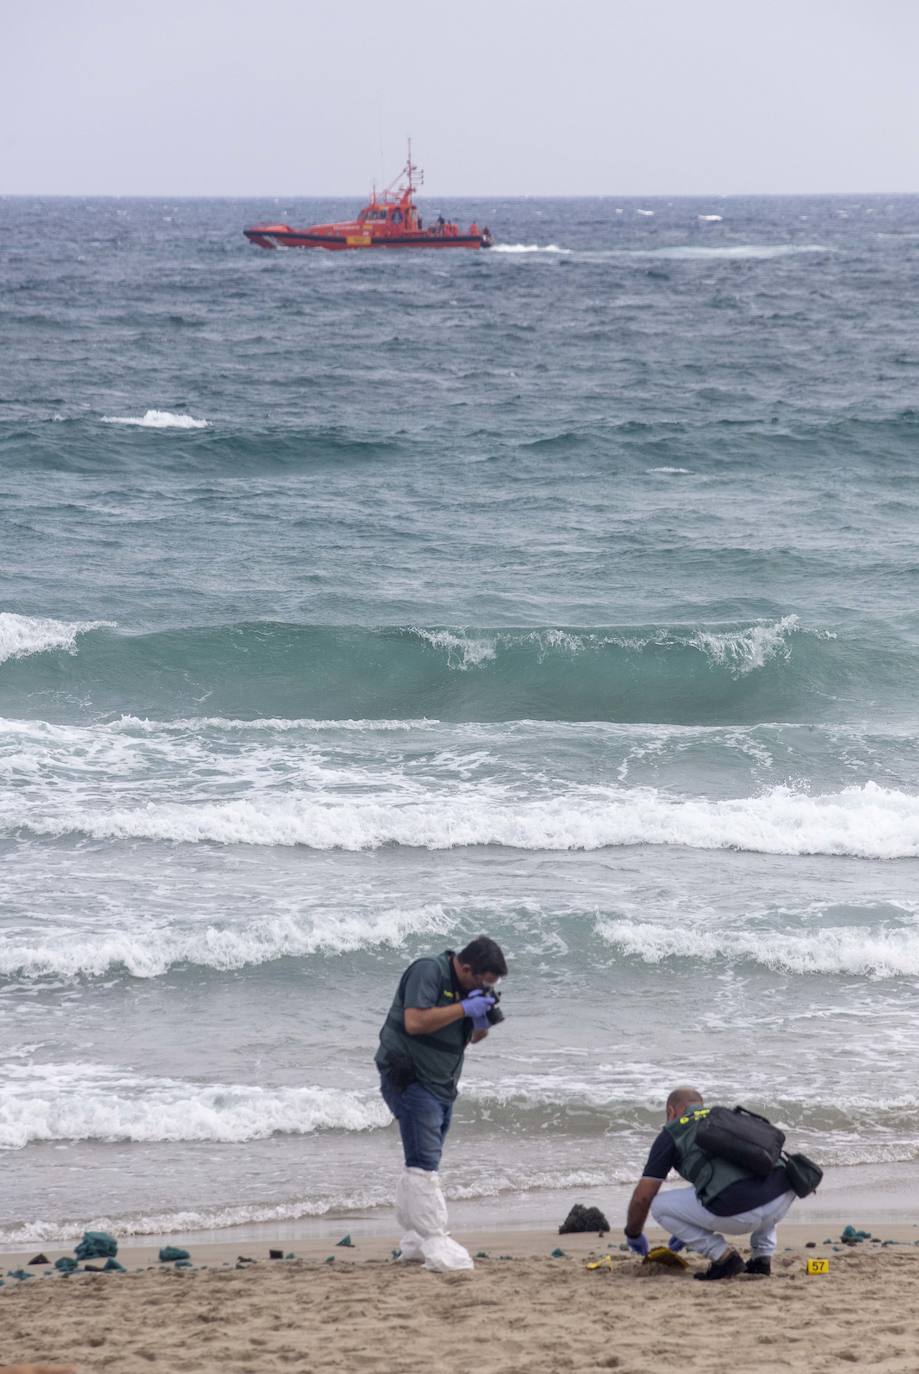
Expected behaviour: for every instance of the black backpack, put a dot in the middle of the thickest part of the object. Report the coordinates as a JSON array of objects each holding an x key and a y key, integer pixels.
[
  {"x": 743, "y": 1138},
  {"x": 753, "y": 1143}
]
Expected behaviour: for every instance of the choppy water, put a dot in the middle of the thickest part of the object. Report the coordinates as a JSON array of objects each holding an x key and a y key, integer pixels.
[{"x": 352, "y": 605}]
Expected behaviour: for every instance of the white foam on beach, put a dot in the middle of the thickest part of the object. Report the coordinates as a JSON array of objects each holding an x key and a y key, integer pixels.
[
  {"x": 156, "y": 419},
  {"x": 22, "y": 635},
  {"x": 495, "y": 1184},
  {"x": 528, "y": 248},
  {"x": 82, "y": 1101},
  {"x": 866, "y": 822},
  {"x": 848, "y": 950}
]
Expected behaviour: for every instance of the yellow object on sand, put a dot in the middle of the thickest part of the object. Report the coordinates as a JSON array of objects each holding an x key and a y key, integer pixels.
[
  {"x": 604, "y": 1262},
  {"x": 662, "y": 1254}
]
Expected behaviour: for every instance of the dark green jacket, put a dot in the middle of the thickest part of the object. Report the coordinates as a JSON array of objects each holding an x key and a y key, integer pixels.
[
  {"x": 437, "y": 1059},
  {"x": 708, "y": 1174}
]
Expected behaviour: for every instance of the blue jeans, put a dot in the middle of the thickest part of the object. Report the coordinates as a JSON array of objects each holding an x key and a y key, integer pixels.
[{"x": 424, "y": 1121}]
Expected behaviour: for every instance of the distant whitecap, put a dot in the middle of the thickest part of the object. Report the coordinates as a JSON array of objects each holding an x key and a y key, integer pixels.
[{"x": 156, "y": 419}]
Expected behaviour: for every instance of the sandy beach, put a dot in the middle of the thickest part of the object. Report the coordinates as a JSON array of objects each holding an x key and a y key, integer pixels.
[{"x": 520, "y": 1310}]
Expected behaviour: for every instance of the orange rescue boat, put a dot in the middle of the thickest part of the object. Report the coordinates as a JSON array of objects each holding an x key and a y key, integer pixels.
[{"x": 390, "y": 220}]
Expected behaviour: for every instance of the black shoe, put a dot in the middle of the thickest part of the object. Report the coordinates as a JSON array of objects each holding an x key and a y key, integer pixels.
[
  {"x": 728, "y": 1267},
  {"x": 761, "y": 1265}
]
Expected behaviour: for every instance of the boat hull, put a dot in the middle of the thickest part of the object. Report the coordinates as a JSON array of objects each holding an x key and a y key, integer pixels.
[{"x": 282, "y": 236}]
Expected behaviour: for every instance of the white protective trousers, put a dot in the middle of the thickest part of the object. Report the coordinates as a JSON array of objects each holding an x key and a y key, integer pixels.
[
  {"x": 680, "y": 1213},
  {"x": 421, "y": 1211}
]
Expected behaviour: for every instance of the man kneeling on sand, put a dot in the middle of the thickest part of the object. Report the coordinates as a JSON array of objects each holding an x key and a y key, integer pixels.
[{"x": 726, "y": 1198}]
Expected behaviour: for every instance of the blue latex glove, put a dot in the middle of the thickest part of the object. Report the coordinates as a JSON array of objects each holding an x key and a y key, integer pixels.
[
  {"x": 478, "y": 1004},
  {"x": 674, "y": 1244},
  {"x": 638, "y": 1244},
  {"x": 481, "y": 1023}
]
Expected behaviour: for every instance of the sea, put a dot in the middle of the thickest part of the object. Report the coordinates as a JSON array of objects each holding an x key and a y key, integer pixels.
[{"x": 353, "y": 605}]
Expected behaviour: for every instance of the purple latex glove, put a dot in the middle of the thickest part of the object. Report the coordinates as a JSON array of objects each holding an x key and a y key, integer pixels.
[
  {"x": 477, "y": 1004},
  {"x": 674, "y": 1244},
  {"x": 638, "y": 1244}
]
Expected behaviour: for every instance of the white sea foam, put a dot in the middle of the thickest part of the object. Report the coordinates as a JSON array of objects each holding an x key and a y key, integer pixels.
[
  {"x": 849, "y": 950},
  {"x": 739, "y": 251},
  {"x": 529, "y": 248},
  {"x": 672, "y": 472},
  {"x": 866, "y": 822},
  {"x": 282, "y": 724},
  {"x": 710, "y": 219},
  {"x": 745, "y": 650},
  {"x": 463, "y": 651},
  {"x": 494, "y": 1183},
  {"x": 741, "y": 650},
  {"x": 156, "y": 419},
  {"x": 21, "y": 635},
  {"x": 89, "y": 1102},
  {"x": 151, "y": 951}
]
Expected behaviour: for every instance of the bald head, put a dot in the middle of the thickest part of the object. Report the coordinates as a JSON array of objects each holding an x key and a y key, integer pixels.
[{"x": 680, "y": 1099}]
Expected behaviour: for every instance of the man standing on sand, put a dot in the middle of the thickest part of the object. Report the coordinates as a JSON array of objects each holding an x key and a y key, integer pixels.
[
  {"x": 728, "y": 1198},
  {"x": 441, "y": 1005}
]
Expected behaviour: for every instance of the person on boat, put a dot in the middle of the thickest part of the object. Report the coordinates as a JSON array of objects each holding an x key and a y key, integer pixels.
[
  {"x": 397, "y": 216},
  {"x": 442, "y": 1004},
  {"x": 728, "y": 1199},
  {"x": 441, "y": 224}
]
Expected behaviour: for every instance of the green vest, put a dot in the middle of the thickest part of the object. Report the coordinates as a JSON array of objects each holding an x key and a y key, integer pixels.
[
  {"x": 437, "y": 1058},
  {"x": 708, "y": 1174}
]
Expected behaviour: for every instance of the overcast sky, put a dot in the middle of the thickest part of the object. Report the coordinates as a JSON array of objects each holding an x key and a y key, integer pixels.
[{"x": 513, "y": 97}]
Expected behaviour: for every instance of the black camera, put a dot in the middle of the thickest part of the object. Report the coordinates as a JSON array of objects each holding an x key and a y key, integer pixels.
[{"x": 494, "y": 1015}]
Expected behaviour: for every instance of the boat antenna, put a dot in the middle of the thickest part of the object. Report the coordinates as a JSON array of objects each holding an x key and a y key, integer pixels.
[{"x": 411, "y": 169}]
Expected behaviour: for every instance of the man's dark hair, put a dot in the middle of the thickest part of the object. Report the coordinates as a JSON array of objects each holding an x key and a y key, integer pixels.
[{"x": 484, "y": 956}]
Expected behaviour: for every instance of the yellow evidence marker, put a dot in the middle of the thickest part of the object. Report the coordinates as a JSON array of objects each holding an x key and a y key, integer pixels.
[{"x": 818, "y": 1266}]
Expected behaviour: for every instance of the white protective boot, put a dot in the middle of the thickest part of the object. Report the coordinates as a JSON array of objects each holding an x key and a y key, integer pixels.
[
  {"x": 422, "y": 1210},
  {"x": 410, "y": 1244}
]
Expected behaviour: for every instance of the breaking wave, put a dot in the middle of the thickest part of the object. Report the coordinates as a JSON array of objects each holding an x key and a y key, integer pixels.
[
  {"x": 22, "y": 635},
  {"x": 149, "y": 953},
  {"x": 868, "y": 822},
  {"x": 90, "y": 1102},
  {"x": 849, "y": 950},
  {"x": 766, "y": 670}
]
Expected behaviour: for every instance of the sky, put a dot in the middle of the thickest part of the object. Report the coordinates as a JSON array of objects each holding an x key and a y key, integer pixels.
[{"x": 509, "y": 97}]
